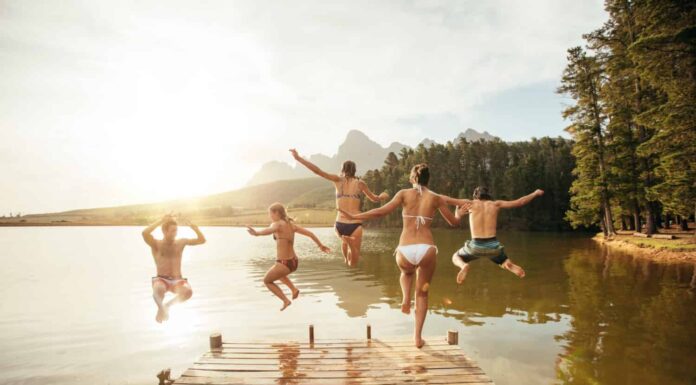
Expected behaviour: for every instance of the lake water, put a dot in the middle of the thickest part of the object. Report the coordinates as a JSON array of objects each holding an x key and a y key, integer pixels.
[{"x": 76, "y": 306}]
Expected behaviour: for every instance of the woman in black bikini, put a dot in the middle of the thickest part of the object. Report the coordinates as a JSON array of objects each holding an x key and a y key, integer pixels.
[
  {"x": 348, "y": 189},
  {"x": 283, "y": 229}
]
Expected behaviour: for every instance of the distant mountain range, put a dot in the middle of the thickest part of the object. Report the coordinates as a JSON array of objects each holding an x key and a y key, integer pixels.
[{"x": 358, "y": 147}]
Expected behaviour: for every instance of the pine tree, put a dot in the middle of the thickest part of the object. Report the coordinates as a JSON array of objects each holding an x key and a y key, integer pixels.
[{"x": 591, "y": 201}]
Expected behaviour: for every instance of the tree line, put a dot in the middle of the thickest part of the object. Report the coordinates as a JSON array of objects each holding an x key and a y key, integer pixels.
[
  {"x": 633, "y": 117},
  {"x": 510, "y": 170}
]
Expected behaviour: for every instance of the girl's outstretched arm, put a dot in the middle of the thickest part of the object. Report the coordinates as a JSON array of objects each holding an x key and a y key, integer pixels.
[
  {"x": 313, "y": 167},
  {"x": 307, "y": 233},
  {"x": 380, "y": 211},
  {"x": 267, "y": 231}
]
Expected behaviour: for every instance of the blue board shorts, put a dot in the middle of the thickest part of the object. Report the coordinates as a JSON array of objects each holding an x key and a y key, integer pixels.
[{"x": 483, "y": 247}]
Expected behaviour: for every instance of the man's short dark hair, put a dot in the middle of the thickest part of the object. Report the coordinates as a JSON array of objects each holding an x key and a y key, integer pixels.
[{"x": 481, "y": 193}]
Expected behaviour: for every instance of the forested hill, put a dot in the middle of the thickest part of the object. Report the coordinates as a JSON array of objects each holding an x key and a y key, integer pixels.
[
  {"x": 634, "y": 117},
  {"x": 510, "y": 170}
]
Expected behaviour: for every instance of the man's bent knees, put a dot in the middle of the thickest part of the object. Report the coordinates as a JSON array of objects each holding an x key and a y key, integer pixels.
[{"x": 184, "y": 292}]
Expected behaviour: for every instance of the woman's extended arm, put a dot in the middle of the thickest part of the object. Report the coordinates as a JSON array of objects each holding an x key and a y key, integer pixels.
[
  {"x": 446, "y": 213},
  {"x": 313, "y": 167},
  {"x": 267, "y": 231},
  {"x": 380, "y": 211},
  {"x": 307, "y": 233},
  {"x": 370, "y": 195}
]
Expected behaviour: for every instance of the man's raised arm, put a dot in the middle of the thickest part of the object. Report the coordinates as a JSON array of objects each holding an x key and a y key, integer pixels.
[
  {"x": 520, "y": 201},
  {"x": 147, "y": 232}
]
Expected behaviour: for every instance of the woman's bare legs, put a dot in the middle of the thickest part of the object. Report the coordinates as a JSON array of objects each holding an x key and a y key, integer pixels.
[
  {"x": 354, "y": 243},
  {"x": 295, "y": 291},
  {"x": 345, "y": 249},
  {"x": 424, "y": 274},
  {"x": 276, "y": 272},
  {"x": 406, "y": 281}
]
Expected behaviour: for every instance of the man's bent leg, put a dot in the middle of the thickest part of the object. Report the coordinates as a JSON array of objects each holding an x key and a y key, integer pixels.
[{"x": 159, "y": 288}]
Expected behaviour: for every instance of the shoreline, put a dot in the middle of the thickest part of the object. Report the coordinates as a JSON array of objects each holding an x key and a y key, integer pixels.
[
  {"x": 658, "y": 254},
  {"x": 72, "y": 224}
]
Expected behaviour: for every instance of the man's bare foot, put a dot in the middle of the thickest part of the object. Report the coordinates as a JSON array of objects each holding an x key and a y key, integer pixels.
[
  {"x": 514, "y": 269},
  {"x": 162, "y": 314},
  {"x": 285, "y": 305},
  {"x": 419, "y": 342},
  {"x": 406, "y": 307},
  {"x": 461, "y": 276},
  {"x": 295, "y": 293}
]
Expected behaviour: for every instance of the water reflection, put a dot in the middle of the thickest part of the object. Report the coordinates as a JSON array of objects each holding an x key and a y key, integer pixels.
[
  {"x": 632, "y": 321},
  {"x": 581, "y": 315}
]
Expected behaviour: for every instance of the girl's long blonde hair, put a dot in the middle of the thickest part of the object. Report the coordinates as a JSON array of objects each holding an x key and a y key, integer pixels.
[{"x": 280, "y": 209}]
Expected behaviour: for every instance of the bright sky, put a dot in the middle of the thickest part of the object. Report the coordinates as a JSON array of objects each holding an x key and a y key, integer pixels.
[{"x": 114, "y": 102}]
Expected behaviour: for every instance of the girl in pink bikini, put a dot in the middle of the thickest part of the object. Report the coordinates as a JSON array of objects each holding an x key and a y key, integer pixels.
[{"x": 283, "y": 229}]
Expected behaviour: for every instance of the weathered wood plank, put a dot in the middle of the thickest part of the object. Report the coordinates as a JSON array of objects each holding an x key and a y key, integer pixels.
[
  {"x": 350, "y": 373},
  {"x": 323, "y": 362},
  {"x": 468, "y": 379},
  {"x": 348, "y": 343},
  {"x": 335, "y": 362}
]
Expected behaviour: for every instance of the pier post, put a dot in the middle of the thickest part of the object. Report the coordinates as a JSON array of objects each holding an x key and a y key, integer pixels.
[
  {"x": 369, "y": 332},
  {"x": 215, "y": 341},
  {"x": 452, "y": 337},
  {"x": 311, "y": 334}
]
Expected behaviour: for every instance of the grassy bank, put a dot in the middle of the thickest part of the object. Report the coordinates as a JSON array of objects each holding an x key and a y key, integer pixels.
[{"x": 682, "y": 249}]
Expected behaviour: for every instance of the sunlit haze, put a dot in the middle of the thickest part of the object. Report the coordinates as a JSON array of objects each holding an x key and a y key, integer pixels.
[{"x": 108, "y": 103}]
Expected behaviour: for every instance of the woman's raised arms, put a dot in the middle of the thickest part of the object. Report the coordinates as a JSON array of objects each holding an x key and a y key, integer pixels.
[{"x": 313, "y": 167}]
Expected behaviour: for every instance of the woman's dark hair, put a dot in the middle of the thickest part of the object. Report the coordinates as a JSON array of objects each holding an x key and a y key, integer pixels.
[
  {"x": 348, "y": 169},
  {"x": 421, "y": 174},
  {"x": 481, "y": 193}
]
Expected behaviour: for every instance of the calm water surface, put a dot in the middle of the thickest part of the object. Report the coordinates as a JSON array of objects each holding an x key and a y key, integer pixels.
[{"x": 76, "y": 306}]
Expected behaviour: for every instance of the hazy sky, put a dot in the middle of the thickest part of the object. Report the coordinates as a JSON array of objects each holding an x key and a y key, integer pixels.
[{"x": 116, "y": 102}]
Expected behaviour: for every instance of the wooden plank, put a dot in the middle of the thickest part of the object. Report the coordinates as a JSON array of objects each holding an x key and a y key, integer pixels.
[
  {"x": 335, "y": 355},
  {"x": 365, "y": 343},
  {"x": 350, "y": 373},
  {"x": 328, "y": 362},
  {"x": 446, "y": 379},
  {"x": 376, "y": 349},
  {"x": 640, "y": 235}
]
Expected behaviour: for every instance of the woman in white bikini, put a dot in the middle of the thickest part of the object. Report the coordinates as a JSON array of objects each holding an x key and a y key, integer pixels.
[
  {"x": 348, "y": 189},
  {"x": 416, "y": 252}
]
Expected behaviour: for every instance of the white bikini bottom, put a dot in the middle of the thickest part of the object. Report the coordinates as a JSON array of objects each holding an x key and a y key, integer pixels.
[{"x": 415, "y": 253}]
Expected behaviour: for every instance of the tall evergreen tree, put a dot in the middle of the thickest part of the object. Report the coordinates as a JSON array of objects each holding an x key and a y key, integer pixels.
[{"x": 590, "y": 201}]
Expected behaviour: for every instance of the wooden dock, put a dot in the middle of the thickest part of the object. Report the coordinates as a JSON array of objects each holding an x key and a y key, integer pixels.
[{"x": 332, "y": 362}]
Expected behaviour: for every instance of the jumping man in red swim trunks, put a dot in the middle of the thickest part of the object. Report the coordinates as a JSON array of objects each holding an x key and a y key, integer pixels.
[{"x": 167, "y": 253}]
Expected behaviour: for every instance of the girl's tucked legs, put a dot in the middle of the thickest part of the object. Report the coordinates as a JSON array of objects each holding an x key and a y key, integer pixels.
[
  {"x": 276, "y": 272},
  {"x": 295, "y": 291}
]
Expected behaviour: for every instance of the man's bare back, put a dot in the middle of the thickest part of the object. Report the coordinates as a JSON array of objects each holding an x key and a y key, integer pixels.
[{"x": 483, "y": 220}]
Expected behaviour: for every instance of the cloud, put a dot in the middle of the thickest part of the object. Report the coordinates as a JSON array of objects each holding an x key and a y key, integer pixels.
[{"x": 85, "y": 82}]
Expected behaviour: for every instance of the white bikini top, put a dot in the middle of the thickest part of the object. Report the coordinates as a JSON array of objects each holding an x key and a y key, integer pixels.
[{"x": 420, "y": 219}]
